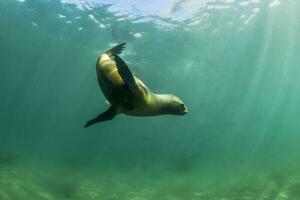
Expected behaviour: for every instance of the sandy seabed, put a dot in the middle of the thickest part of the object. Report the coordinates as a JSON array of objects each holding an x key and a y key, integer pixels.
[{"x": 24, "y": 182}]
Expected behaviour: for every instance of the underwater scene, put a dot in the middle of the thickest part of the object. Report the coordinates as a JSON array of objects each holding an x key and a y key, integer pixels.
[{"x": 234, "y": 63}]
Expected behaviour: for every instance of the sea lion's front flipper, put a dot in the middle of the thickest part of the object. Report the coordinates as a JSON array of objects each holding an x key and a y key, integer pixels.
[
  {"x": 109, "y": 114},
  {"x": 116, "y": 50},
  {"x": 125, "y": 73}
]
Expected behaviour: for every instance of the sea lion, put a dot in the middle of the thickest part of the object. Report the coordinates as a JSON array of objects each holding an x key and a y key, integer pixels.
[{"x": 127, "y": 94}]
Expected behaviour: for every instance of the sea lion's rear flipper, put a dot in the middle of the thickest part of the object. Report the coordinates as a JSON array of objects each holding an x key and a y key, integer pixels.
[
  {"x": 109, "y": 114},
  {"x": 116, "y": 50},
  {"x": 125, "y": 73}
]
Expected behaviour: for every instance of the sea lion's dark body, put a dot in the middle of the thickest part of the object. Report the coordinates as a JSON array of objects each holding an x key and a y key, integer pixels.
[{"x": 140, "y": 102}]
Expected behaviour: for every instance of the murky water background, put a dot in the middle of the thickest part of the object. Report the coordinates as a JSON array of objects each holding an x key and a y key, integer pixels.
[{"x": 234, "y": 63}]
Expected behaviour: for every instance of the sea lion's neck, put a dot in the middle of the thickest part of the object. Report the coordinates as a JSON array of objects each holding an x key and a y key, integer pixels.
[{"x": 163, "y": 102}]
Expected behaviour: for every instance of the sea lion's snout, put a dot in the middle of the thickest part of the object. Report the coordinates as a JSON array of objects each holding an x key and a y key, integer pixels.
[
  {"x": 179, "y": 108},
  {"x": 183, "y": 109},
  {"x": 173, "y": 105}
]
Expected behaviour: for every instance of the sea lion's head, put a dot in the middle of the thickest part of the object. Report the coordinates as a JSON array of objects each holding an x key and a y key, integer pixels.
[{"x": 173, "y": 105}]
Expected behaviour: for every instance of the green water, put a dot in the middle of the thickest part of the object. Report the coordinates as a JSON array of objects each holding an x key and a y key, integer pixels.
[{"x": 234, "y": 63}]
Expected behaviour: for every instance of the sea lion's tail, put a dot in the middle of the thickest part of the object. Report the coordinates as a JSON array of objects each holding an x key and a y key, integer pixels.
[{"x": 116, "y": 50}]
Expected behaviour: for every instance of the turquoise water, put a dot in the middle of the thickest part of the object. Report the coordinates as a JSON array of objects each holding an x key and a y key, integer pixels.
[{"x": 234, "y": 63}]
